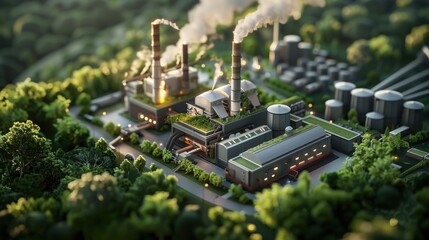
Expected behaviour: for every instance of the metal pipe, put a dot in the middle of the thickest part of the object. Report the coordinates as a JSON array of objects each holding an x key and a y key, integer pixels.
[
  {"x": 418, "y": 95},
  {"x": 416, "y": 88},
  {"x": 395, "y": 76},
  {"x": 409, "y": 80}
]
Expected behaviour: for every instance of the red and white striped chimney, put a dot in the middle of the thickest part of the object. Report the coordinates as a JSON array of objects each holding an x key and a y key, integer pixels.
[
  {"x": 236, "y": 79},
  {"x": 156, "y": 65}
]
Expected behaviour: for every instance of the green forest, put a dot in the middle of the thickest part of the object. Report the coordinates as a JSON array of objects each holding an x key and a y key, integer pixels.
[{"x": 58, "y": 182}]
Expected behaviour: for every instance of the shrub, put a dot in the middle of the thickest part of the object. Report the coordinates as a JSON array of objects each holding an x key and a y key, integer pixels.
[
  {"x": 157, "y": 152},
  {"x": 134, "y": 138}
]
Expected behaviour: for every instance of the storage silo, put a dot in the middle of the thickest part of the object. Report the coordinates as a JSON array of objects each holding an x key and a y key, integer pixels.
[
  {"x": 374, "y": 121},
  {"x": 363, "y": 101},
  {"x": 311, "y": 76},
  {"x": 292, "y": 52},
  {"x": 278, "y": 118},
  {"x": 333, "y": 110},
  {"x": 311, "y": 66},
  {"x": 299, "y": 72},
  {"x": 304, "y": 50},
  {"x": 342, "y": 66},
  {"x": 331, "y": 63},
  {"x": 343, "y": 94},
  {"x": 325, "y": 81},
  {"x": 345, "y": 76},
  {"x": 322, "y": 69},
  {"x": 334, "y": 73},
  {"x": 389, "y": 103},
  {"x": 413, "y": 115},
  {"x": 353, "y": 70}
]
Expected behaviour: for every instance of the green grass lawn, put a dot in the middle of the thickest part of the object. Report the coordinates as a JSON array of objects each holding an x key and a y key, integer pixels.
[{"x": 331, "y": 128}]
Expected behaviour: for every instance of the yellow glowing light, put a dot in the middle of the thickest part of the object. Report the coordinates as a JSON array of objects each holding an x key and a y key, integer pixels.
[
  {"x": 265, "y": 179},
  {"x": 251, "y": 227},
  {"x": 119, "y": 124},
  {"x": 311, "y": 112},
  {"x": 243, "y": 62},
  {"x": 310, "y": 105},
  {"x": 154, "y": 122},
  {"x": 203, "y": 65},
  {"x": 276, "y": 168},
  {"x": 150, "y": 120},
  {"x": 273, "y": 175},
  {"x": 122, "y": 139},
  {"x": 141, "y": 116},
  {"x": 330, "y": 121},
  {"x": 104, "y": 113},
  {"x": 146, "y": 118},
  {"x": 206, "y": 185},
  {"x": 129, "y": 125},
  {"x": 393, "y": 222},
  {"x": 67, "y": 110},
  {"x": 160, "y": 144}
]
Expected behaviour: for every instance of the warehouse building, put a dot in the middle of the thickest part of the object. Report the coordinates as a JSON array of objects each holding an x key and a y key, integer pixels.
[{"x": 279, "y": 157}]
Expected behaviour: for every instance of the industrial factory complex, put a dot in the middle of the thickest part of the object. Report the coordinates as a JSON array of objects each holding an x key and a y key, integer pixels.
[{"x": 258, "y": 145}]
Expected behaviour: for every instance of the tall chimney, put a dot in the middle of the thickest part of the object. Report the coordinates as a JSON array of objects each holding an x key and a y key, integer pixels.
[
  {"x": 236, "y": 78},
  {"x": 274, "y": 47},
  {"x": 185, "y": 69},
  {"x": 156, "y": 65}
]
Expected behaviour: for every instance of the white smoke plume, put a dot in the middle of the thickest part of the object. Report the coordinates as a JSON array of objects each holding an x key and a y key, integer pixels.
[
  {"x": 270, "y": 11},
  {"x": 203, "y": 19},
  {"x": 166, "y": 22},
  {"x": 218, "y": 74}
]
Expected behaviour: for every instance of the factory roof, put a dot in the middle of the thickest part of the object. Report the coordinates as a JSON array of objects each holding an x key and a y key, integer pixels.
[
  {"x": 345, "y": 86},
  {"x": 247, "y": 85},
  {"x": 388, "y": 95},
  {"x": 278, "y": 109},
  {"x": 331, "y": 128},
  {"x": 277, "y": 147},
  {"x": 224, "y": 90},
  {"x": 415, "y": 105},
  {"x": 333, "y": 103},
  {"x": 245, "y": 163},
  {"x": 292, "y": 38},
  {"x": 362, "y": 92},
  {"x": 374, "y": 115},
  {"x": 245, "y": 136},
  {"x": 211, "y": 96}
]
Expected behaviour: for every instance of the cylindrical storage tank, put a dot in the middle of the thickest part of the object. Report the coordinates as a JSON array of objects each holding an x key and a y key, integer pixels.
[
  {"x": 311, "y": 66},
  {"x": 363, "y": 101},
  {"x": 343, "y": 94},
  {"x": 325, "y": 81},
  {"x": 322, "y": 69},
  {"x": 292, "y": 52},
  {"x": 302, "y": 62},
  {"x": 320, "y": 59},
  {"x": 334, "y": 73},
  {"x": 304, "y": 50},
  {"x": 333, "y": 110},
  {"x": 299, "y": 72},
  {"x": 331, "y": 63},
  {"x": 342, "y": 66},
  {"x": 389, "y": 103},
  {"x": 344, "y": 76},
  {"x": 413, "y": 115},
  {"x": 278, "y": 118},
  {"x": 353, "y": 70},
  {"x": 374, "y": 121},
  {"x": 311, "y": 76}
]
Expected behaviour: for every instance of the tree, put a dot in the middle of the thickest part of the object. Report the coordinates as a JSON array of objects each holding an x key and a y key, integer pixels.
[
  {"x": 70, "y": 134},
  {"x": 146, "y": 146},
  {"x": 140, "y": 163},
  {"x": 383, "y": 48},
  {"x": 239, "y": 194},
  {"x": 166, "y": 155},
  {"x": 352, "y": 115},
  {"x": 84, "y": 100},
  {"x": 308, "y": 32},
  {"x": 112, "y": 129},
  {"x": 153, "y": 167},
  {"x": 157, "y": 152},
  {"x": 417, "y": 38},
  {"x": 93, "y": 199},
  {"x": 359, "y": 52},
  {"x": 156, "y": 214},
  {"x": 134, "y": 138},
  {"x": 22, "y": 147},
  {"x": 57, "y": 109}
]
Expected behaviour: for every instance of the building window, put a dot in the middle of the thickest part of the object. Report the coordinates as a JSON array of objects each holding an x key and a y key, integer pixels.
[
  {"x": 275, "y": 169},
  {"x": 297, "y": 158},
  {"x": 273, "y": 175},
  {"x": 302, "y": 162},
  {"x": 319, "y": 154},
  {"x": 324, "y": 145},
  {"x": 306, "y": 154},
  {"x": 311, "y": 158},
  {"x": 265, "y": 179},
  {"x": 294, "y": 166},
  {"x": 314, "y": 149}
]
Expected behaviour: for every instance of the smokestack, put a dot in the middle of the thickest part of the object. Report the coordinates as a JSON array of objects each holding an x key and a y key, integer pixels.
[
  {"x": 185, "y": 69},
  {"x": 156, "y": 65},
  {"x": 236, "y": 78},
  {"x": 274, "y": 48}
]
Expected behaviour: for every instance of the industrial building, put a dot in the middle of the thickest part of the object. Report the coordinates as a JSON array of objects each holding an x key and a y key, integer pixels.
[
  {"x": 152, "y": 98},
  {"x": 282, "y": 156}
]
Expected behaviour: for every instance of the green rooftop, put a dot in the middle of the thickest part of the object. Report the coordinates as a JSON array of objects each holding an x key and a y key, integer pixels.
[
  {"x": 418, "y": 152},
  {"x": 279, "y": 139},
  {"x": 245, "y": 136},
  {"x": 246, "y": 163},
  {"x": 331, "y": 128}
]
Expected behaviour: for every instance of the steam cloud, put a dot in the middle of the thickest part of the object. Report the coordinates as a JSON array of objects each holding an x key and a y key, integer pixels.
[
  {"x": 270, "y": 11},
  {"x": 166, "y": 22},
  {"x": 203, "y": 19}
]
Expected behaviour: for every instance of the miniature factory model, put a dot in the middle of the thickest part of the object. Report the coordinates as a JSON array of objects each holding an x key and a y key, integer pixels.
[{"x": 257, "y": 145}]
